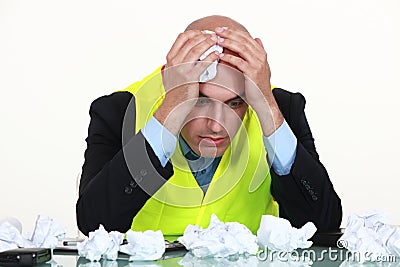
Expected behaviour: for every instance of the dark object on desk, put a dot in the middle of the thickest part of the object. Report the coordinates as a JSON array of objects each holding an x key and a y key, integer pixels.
[
  {"x": 72, "y": 241},
  {"x": 327, "y": 239},
  {"x": 25, "y": 256},
  {"x": 171, "y": 246}
]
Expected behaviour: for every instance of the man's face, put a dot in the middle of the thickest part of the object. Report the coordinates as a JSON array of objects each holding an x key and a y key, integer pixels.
[{"x": 217, "y": 114}]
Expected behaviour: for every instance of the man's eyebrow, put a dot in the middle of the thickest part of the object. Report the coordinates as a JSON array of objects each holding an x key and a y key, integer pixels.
[{"x": 231, "y": 99}]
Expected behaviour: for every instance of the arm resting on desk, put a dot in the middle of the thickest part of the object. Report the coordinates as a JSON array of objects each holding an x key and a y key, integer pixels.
[
  {"x": 108, "y": 194},
  {"x": 306, "y": 193}
]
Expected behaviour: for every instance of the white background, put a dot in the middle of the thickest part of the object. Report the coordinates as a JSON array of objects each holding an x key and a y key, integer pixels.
[{"x": 56, "y": 57}]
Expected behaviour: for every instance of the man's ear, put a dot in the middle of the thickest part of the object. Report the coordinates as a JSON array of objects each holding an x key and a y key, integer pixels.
[{"x": 258, "y": 40}]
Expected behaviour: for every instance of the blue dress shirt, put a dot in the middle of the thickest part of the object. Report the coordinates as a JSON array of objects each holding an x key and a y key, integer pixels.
[{"x": 280, "y": 148}]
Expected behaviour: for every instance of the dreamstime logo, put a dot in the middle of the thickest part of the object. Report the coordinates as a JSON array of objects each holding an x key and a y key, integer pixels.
[
  {"x": 342, "y": 243},
  {"x": 329, "y": 254}
]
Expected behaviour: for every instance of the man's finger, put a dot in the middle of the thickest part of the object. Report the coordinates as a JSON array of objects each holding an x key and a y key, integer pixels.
[
  {"x": 201, "y": 66},
  {"x": 194, "y": 53},
  {"x": 181, "y": 40},
  {"x": 241, "y": 43},
  {"x": 258, "y": 40},
  {"x": 238, "y": 62}
]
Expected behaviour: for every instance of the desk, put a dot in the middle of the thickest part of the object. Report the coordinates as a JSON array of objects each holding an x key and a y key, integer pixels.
[{"x": 321, "y": 256}]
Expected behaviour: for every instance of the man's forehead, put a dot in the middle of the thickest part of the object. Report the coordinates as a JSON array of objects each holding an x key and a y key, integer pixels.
[
  {"x": 219, "y": 93},
  {"x": 228, "y": 77},
  {"x": 229, "y": 82}
]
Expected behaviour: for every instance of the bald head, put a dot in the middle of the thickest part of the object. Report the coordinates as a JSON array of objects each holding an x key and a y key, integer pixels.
[{"x": 212, "y": 22}]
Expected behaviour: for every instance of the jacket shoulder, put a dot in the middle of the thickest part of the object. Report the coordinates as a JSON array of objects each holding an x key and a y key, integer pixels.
[
  {"x": 117, "y": 101},
  {"x": 107, "y": 114},
  {"x": 289, "y": 103}
]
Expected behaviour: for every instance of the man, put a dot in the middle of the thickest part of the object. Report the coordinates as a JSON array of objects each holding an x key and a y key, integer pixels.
[{"x": 173, "y": 149}]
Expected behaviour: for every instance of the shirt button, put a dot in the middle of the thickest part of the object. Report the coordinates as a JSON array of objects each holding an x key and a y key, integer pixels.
[
  {"x": 128, "y": 190},
  {"x": 314, "y": 197},
  {"x": 203, "y": 171}
]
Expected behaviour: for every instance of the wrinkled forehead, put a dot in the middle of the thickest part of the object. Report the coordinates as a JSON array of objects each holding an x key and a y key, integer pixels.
[{"x": 227, "y": 78}]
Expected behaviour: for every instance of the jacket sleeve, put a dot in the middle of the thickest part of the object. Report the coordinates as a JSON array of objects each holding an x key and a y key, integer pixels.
[
  {"x": 111, "y": 192},
  {"x": 306, "y": 193}
]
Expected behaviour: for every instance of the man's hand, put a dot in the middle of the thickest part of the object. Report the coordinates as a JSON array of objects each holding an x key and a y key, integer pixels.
[
  {"x": 181, "y": 76},
  {"x": 251, "y": 59}
]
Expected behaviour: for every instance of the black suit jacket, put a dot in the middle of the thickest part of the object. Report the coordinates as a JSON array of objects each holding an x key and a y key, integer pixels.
[{"x": 109, "y": 193}]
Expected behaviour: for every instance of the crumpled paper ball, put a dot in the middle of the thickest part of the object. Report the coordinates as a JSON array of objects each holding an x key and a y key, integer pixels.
[
  {"x": 211, "y": 70},
  {"x": 10, "y": 237},
  {"x": 147, "y": 245},
  {"x": 101, "y": 243},
  {"x": 371, "y": 237},
  {"x": 278, "y": 234},
  {"x": 46, "y": 234},
  {"x": 13, "y": 221},
  {"x": 219, "y": 239}
]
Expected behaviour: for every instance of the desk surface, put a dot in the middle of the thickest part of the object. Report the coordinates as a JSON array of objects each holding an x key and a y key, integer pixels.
[{"x": 320, "y": 256}]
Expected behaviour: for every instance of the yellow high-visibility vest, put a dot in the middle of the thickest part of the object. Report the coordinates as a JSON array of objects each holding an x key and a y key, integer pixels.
[{"x": 239, "y": 190}]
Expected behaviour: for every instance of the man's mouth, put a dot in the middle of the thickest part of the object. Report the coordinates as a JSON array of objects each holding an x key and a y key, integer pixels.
[{"x": 212, "y": 141}]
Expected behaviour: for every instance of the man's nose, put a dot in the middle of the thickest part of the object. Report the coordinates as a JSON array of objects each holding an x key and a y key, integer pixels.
[{"x": 216, "y": 118}]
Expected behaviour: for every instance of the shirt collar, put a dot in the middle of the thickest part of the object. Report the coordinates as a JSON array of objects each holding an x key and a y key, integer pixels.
[{"x": 186, "y": 150}]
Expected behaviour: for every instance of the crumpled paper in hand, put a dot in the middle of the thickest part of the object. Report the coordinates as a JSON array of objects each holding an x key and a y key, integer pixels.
[
  {"x": 219, "y": 239},
  {"x": 370, "y": 236},
  {"x": 211, "y": 71},
  {"x": 278, "y": 234},
  {"x": 147, "y": 245},
  {"x": 45, "y": 234},
  {"x": 101, "y": 243}
]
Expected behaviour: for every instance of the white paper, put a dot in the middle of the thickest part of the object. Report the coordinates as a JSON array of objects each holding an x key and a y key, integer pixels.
[
  {"x": 211, "y": 71},
  {"x": 277, "y": 234},
  {"x": 147, "y": 245},
  {"x": 116, "y": 239},
  {"x": 370, "y": 237},
  {"x": 13, "y": 221},
  {"x": 101, "y": 243},
  {"x": 45, "y": 234},
  {"x": 7, "y": 236},
  {"x": 219, "y": 239}
]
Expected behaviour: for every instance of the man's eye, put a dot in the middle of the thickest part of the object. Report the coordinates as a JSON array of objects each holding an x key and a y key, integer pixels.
[
  {"x": 235, "y": 104},
  {"x": 202, "y": 101}
]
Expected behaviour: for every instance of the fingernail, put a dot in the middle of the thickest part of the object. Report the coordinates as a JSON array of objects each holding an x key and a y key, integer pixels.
[
  {"x": 216, "y": 52},
  {"x": 219, "y": 29},
  {"x": 220, "y": 39},
  {"x": 225, "y": 28},
  {"x": 221, "y": 55},
  {"x": 214, "y": 38}
]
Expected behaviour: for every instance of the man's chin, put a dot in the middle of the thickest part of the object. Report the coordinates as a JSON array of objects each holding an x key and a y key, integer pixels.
[{"x": 212, "y": 152}]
